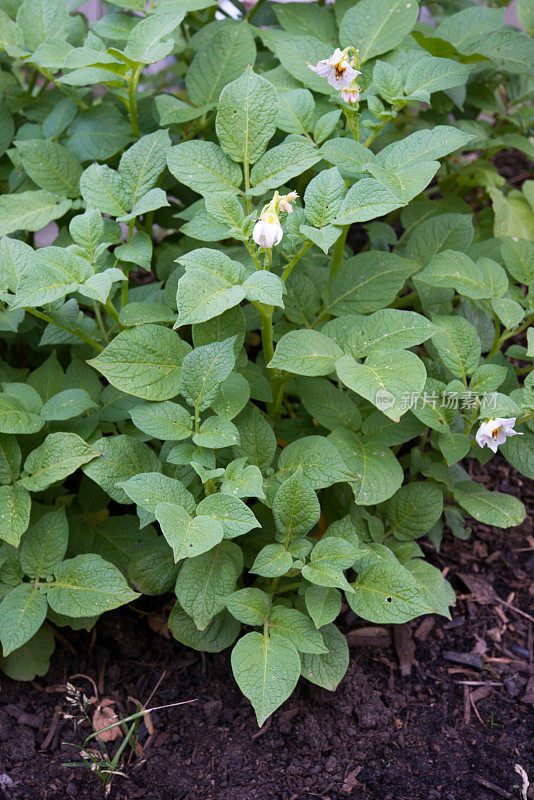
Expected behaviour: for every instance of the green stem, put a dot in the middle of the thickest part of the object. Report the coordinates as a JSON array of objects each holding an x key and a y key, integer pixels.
[
  {"x": 254, "y": 257},
  {"x": 339, "y": 247},
  {"x": 132, "y": 100},
  {"x": 267, "y": 340},
  {"x": 246, "y": 173},
  {"x": 32, "y": 81},
  {"x": 287, "y": 271},
  {"x": 405, "y": 301},
  {"x": 62, "y": 88},
  {"x": 253, "y": 10},
  {"x": 112, "y": 311},
  {"x": 98, "y": 317},
  {"x": 497, "y": 338},
  {"x": 50, "y": 321}
]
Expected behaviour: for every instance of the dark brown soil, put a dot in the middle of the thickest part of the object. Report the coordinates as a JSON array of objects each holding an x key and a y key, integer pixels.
[{"x": 433, "y": 709}]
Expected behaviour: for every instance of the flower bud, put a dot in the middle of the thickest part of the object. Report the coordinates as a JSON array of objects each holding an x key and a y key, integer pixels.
[{"x": 267, "y": 230}]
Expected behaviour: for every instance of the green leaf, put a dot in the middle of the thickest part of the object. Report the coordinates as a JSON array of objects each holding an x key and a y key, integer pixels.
[
  {"x": 210, "y": 286},
  {"x": 58, "y": 456},
  {"x": 297, "y": 628},
  {"x": 144, "y": 43},
  {"x": 220, "y": 633},
  {"x": 427, "y": 144},
  {"x": 137, "y": 251},
  {"x": 432, "y": 74},
  {"x": 330, "y": 556},
  {"x": 322, "y": 237},
  {"x": 250, "y": 606},
  {"x": 266, "y": 669},
  {"x": 11, "y": 36},
  {"x": 518, "y": 257},
  {"x": 388, "y": 328},
  {"x": 153, "y": 571},
  {"x": 438, "y": 592},
  {"x": 220, "y": 60},
  {"x": 296, "y": 508},
  {"x": 272, "y": 561},
  {"x": 280, "y": 164},
  {"x": 15, "y": 502},
  {"x": 165, "y": 420},
  {"x": 233, "y": 395},
  {"x": 23, "y": 611},
  {"x": 204, "y": 167},
  {"x": 188, "y": 536},
  {"x": 391, "y": 379},
  {"x": 323, "y": 197},
  {"x": 235, "y": 516},
  {"x": 144, "y": 361},
  {"x": 327, "y": 669},
  {"x": 148, "y": 489},
  {"x": 373, "y": 472},
  {"x": 103, "y": 188},
  {"x": 143, "y": 163},
  {"x": 323, "y": 604},
  {"x": 120, "y": 458},
  {"x": 325, "y": 125},
  {"x": 87, "y": 585},
  {"x": 442, "y": 232},
  {"x": 387, "y": 593},
  {"x": 98, "y": 133},
  {"x": 44, "y": 545},
  {"x": 264, "y": 287},
  {"x": 32, "y": 659},
  {"x": 246, "y": 117},
  {"x": 203, "y": 371},
  {"x": 295, "y": 114},
  {"x": 202, "y": 584},
  {"x": 454, "y": 447},
  {"x": 30, "y": 211},
  {"x": 51, "y": 166},
  {"x": 40, "y": 20},
  {"x": 216, "y": 432},
  {"x": 465, "y": 29},
  {"x": 306, "y": 352},
  {"x": 365, "y": 200},
  {"x": 67, "y": 404},
  {"x": 241, "y": 482},
  {"x": 51, "y": 273},
  {"x": 351, "y": 157},
  {"x": 10, "y": 459},
  {"x": 14, "y": 419},
  {"x": 457, "y": 345},
  {"x": 309, "y": 19},
  {"x": 295, "y": 53},
  {"x": 225, "y": 208},
  {"x": 456, "y": 270},
  {"x": 491, "y": 508},
  {"x": 519, "y": 452},
  {"x": 414, "y": 509},
  {"x": 377, "y": 25},
  {"x": 366, "y": 282},
  {"x": 257, "y": 441},
  {"x": 328, "y": 405},
  {"x": 320, "y": 460}
]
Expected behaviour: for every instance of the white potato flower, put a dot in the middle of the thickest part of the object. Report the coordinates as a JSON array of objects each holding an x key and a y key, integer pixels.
[
  {"x": 494, "y": 432},
  {"x": 350, "y": 95},
  {"x": 267, "y": 230},
  {"x": 337, "y": 69}
]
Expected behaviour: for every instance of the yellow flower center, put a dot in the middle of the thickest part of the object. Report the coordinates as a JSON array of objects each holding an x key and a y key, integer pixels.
[{"x": 495, "y": 433}]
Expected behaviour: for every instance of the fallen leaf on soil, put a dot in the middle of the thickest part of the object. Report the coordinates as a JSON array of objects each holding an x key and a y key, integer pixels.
[
  {"x": 482, "y": 591},
  {"x": 104, "y": 716}
]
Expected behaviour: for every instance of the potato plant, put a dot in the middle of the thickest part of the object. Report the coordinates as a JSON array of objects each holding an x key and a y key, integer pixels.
[{"x": 262, "y": 286}]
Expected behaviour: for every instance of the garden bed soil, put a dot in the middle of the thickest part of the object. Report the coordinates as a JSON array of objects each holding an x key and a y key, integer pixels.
[{"x": 432, "y": 709}]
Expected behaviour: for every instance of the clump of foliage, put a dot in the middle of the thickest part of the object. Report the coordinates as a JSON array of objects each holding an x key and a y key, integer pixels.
[{"x": 205, "y": 390}]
